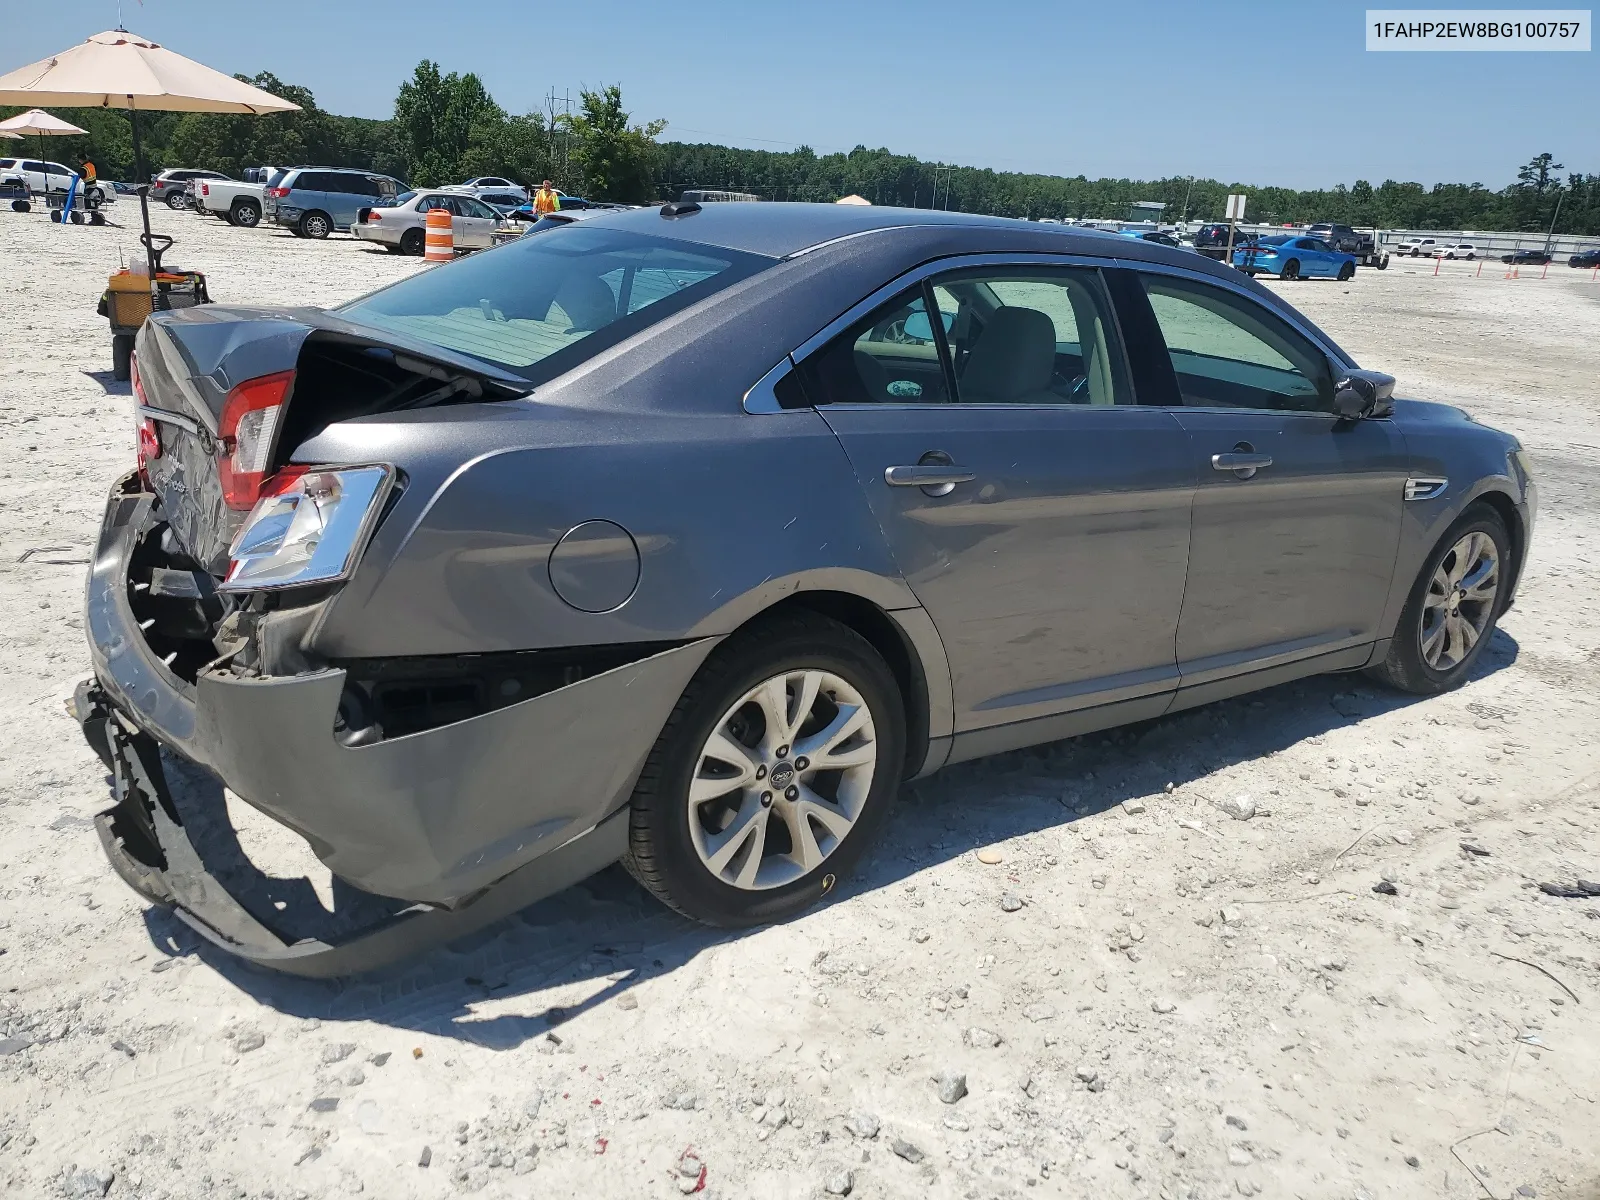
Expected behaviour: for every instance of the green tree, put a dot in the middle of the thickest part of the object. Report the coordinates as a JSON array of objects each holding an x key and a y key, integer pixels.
[
  {"x": 1538, "y": 173},
  {"x": 618, "y": 160},
  {"x": 441, "y": 120}
]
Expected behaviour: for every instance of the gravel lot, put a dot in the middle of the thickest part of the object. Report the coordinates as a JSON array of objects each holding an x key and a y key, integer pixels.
[{"x": 1184, "y": 1005}]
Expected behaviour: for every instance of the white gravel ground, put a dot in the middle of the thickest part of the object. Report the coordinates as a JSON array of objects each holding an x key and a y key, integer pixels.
[{"x": 1184, "y": 1006}]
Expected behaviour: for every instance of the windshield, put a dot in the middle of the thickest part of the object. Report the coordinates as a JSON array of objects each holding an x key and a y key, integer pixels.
[{"x": 529, "y": 304}]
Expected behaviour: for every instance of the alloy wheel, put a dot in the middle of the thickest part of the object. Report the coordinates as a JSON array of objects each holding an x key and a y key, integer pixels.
[
  {"x": 782, "y": 780},
  {"x": 1460, "y": 601}
]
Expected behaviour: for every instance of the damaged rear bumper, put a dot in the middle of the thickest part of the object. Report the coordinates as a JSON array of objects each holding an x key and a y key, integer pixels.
[{"x": 472, "y": 820}]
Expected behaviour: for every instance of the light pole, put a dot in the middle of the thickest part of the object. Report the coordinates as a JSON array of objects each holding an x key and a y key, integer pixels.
[
  {"x": 1187, "y": 192},
  {"x": 1549, "y": 237}
]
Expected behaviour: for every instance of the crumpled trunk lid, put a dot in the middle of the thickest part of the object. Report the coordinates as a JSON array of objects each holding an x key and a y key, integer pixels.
[{"x": 188, "y": 362}]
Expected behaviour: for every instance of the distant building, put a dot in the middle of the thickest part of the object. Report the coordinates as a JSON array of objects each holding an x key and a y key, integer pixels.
[{"x": 1146, "y": 210}]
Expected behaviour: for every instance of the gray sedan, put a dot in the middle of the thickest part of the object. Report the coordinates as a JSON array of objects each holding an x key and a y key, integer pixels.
[{"x": 684, "y": 536}]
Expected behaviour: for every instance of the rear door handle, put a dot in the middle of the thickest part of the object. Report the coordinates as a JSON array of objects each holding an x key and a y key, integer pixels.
[
  {"x": 1241, "y": 462},
  {"x": 940, "y": 478}
]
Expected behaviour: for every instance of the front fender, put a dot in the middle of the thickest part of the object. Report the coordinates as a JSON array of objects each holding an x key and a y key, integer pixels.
[{"x": 1477, "y": 461}]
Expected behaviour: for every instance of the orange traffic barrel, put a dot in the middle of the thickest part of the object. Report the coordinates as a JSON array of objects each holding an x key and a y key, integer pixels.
[{"x": 441, "y": 240}]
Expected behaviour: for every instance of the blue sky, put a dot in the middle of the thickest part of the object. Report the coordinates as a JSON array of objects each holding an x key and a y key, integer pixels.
[{"x": 1281, "y": 93}]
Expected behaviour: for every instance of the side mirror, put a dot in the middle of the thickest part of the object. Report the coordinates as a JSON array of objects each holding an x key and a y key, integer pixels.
[
  {"x": 1363, "y": 394},
  {"x": 918, "y": 325}
]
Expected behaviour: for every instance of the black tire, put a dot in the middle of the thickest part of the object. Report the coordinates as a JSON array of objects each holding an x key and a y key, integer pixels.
[
  {"x": 316, "y": 224},
  {"x": 21, "y": 206},
  {"x": 661, "y": 853},
  {"x": 55, "y": 216},
  {"x": 412, "y": 241},
  {"x": 75, "y": 217},
  {"x": 1470, "y": 257},
  {"x": 177, "y": 201},
  {"x": 121, "y": 355},
  {"x": 1347, "y": 272},
  {"x": 1291, "y": 269},
  {"x": 245, "y": 213},
  {"x": 1404, "y": 667},
  {"x": 97, "y": 218}
]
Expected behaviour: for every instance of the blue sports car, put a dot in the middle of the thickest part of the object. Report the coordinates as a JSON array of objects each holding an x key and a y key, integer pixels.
[{"x": 1291, "y": 257}]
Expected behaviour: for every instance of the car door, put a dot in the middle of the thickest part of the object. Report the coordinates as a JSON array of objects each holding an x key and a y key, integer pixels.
[
  {"x": 1039, "y": 515},
  {"x": 473, "y": 222},
  {"x": 1297, "y": 513},
  {"x": 1313, "y": 259}
]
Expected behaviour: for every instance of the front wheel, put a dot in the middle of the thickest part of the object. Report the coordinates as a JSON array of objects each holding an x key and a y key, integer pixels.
[
  {"x": 1346, "y": 272},
  {"x": 772, "y": 774},
  {"x": 1291, "y": 269},
  {"x": 412, "y": 241},
  {"x": 1453, "y": 607},
  {"x": 244, "y": 214}
]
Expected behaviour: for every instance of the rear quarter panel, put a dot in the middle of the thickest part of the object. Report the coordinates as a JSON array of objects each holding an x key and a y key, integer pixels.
[{"x": 729, "y": 514}]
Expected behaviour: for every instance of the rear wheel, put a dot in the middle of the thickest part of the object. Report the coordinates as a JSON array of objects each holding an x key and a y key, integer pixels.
[
  {"x": 245, "y": 214},
  {"x": 1346, "y": 272},
  {"x": 774, "y": 771},
  {"x": 121, "y": 355},
  {"x": 1291, "y": 269},
  {"x": 177, "y": 201},
  {"x": 1453, "y": 606},
  {"x": 316, "y": 225},
  {"x": 411, "y": 242}
]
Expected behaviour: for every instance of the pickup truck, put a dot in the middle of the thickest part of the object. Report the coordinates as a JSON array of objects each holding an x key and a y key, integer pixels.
[
  {"x": 233, "y": 201},
  {"x": 1350, "y": 241}
]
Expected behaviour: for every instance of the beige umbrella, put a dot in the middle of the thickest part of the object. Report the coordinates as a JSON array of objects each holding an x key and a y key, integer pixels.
[
  {"x": 854, "y": 200},
  {"x": 118, "y": 69},
  {"x": 41, "y": 123}
]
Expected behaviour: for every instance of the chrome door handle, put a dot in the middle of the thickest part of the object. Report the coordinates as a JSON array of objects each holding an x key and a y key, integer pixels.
[
  {"x": 928, "y": 475},
  {"x": 1236, "y": 461}
]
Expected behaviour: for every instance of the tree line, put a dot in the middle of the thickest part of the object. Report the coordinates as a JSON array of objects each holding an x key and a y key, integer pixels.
[{"x": 446, "y": 127}]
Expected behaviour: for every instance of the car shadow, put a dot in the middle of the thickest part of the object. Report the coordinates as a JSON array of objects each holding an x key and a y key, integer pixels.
[
  {"x": 606, "y": 934},
  {"x": 109, "y": 383}
]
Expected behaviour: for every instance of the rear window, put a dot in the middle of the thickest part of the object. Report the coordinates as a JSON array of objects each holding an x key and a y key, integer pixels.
[
  {"x": 540, "y": 305},
  {"x": 1277, "y": 239}
]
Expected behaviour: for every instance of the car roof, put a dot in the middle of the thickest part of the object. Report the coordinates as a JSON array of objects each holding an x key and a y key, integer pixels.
[{"x": 781, "y": 229}]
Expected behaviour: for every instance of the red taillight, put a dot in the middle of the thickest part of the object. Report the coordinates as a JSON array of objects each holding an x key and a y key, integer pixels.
[
  {"x": 249, "y": 419},
  {"x": 278, "y": 193},
  {"x": 149, "y": 431},
  {"x": 374, "y": 215},
  {"x": 205, "y": 189}
]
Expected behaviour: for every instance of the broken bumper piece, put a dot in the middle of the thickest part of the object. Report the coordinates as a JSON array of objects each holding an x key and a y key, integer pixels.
[
  {"x": 144, "y": 838},
  {"x": 466, "y": 822}
]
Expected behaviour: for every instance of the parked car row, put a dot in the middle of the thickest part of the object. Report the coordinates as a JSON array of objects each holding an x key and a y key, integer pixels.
[{"x": 38, "y": 176}]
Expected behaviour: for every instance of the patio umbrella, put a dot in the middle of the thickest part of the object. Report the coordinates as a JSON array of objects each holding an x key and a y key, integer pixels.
[
  {"x": 37, "y": 121},
  {"x": 118, "y": 69}
]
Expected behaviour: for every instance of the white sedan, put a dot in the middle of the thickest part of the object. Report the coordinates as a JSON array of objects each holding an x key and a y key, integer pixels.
[{"x": 401, "y": 227}]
